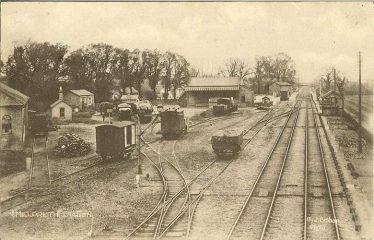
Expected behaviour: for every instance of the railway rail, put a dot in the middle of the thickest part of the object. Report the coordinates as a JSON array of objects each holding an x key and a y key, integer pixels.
[
  {"x": 255, "y": 129},
  {"x": 200, "y": 179},
  {"x": 25, "y": 196},
  {"x": 313, "y": 205},
  {"x": 251, "y": 204}
]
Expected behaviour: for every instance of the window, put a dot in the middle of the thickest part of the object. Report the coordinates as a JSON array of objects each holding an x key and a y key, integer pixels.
[
  {"x": 129, "y": 135},
  {"x": 62, "y": 112},
  {"x": 6, "y": 125}
]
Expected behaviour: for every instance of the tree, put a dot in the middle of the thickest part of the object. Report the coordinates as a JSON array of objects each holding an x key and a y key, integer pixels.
[
  {"x": 153, "y": 66},
  {"x": 92, "y": 67},
  {"x": 181, "y": 73},
  {"x": 78, "y": 69},
  {"x": 283, "y": 68},
  {"x": 34, "y": 70},
  {"x": 168, "y": 67},
  {"x": 273, "y": 69},
  {"x": 121, "y": 69},
  {"x": 194, "y": 72},
  {"x": 236, "y": 67}
]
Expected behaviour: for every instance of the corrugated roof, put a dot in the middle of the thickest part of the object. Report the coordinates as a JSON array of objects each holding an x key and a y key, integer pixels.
[
  {"x": 81, "y": 92},
  {"x": 214, "y": 81},
  {"x": 283, "y": 83},
  {"x": 11, "y": 97},
  {"x": 223, "y": 88}
]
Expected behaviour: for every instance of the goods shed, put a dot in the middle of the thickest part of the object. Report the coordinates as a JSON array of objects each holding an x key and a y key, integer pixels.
[
  {"x": 200, "y": 91},
  {"x": 281, "y": 89}
]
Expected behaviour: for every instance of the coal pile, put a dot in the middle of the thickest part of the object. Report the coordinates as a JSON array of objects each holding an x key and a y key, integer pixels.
[{"x": 71, "y": 145}]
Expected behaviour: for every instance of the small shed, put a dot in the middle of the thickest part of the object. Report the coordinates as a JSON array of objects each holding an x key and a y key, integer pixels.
[
  {"x": 331, "y": 103},
  {"x": 80, "y": 98},
  {"x": 281, "y": 89},
  {"x": 61, "y": 109}
]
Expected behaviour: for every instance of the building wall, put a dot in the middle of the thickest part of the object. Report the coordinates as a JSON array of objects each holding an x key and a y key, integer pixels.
[
  {"x": 247, "y": 95},
  {"x": 16, "y": 139},
  {"x": 73, "y": 100},
  {"x": 201, "y": 98},
  {"x": 55, "y": 111},
  {"x": 274, "y": 90}
]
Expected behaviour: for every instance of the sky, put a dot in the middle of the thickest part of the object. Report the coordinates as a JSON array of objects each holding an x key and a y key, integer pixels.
[{"x": 317, "y": 36}]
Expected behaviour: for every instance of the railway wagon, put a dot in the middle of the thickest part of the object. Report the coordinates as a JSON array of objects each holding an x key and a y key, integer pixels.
[
  {"x": 124, "y": 112},
  {"x": 116, "y": 140},
  {"x": 145, "y": 111},
  {"x": 227, "y": 141},
  {"x": 224, "y": 106},
  {"x": 173, "y": 123}
]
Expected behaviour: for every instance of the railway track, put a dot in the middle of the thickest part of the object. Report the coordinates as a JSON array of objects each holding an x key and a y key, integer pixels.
[
  {"x": 175, "y": 196},
  {"x": 181, "y": 224},
  {"x": 307, "y": 213},
  {"x": 294, "y": 210},
  {"x": 255, "y": 208},
  {"x": 27, "y": 195},
  {"x": 204, "y": 183}
]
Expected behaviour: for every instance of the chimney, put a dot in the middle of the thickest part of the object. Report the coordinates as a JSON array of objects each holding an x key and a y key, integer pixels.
[{"x": 60, "y": 94}]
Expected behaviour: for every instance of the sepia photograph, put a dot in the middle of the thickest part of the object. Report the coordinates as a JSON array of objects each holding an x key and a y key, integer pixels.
[{"x": 186, "y": 120}]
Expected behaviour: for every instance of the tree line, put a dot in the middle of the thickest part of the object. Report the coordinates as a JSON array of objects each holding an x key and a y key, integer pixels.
[
  {"x": 267, "y": 70},
  {"x": 39, "y": 69}
]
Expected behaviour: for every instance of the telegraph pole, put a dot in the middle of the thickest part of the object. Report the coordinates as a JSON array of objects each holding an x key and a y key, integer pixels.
[
  {"x": 359, "y": 105},
  {"x": 334, "y": 79}
]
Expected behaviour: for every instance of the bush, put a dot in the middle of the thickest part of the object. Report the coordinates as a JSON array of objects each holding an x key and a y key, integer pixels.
[{"x": 70, "y": 145}]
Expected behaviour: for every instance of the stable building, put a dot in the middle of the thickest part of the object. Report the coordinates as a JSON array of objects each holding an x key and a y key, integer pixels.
[
  {"x": 281, "y": 89},
  {"x": 13, "y": 118},
  {"x": 60, "y": 109},
  {"x": 331, "y": 103},
  {"x": 201, "y": 91}
]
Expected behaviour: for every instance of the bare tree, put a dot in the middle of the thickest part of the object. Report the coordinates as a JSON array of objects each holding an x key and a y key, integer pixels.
[{"x": 236, "y": 67}]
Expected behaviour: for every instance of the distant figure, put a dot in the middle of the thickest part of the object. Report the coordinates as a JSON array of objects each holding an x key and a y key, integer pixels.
[
  {"x": 103, "y": 117},
  {"x": 148, "y": 177},
  {"x": 137, "y": 180}
]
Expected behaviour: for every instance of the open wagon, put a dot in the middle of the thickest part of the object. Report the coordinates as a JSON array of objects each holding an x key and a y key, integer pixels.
[
  {"x": 173, "y": 123},
  {"x": 227, "y": 141}
]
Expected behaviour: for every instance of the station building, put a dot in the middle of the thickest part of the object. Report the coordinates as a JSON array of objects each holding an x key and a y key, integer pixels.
[{"x": 201, "y": 91}]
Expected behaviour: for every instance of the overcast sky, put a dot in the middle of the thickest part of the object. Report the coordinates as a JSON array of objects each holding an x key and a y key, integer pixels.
[{"x": 316, "y": 35}]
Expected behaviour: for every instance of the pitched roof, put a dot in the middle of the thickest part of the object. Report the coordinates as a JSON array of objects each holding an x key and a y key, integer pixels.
[
  {"x": 214, "y": 81},
  {"x": 57, "y": 102},
  {"x": 11, "y": 97},
  {"x": 213, "y": 84},
  {"x": 81, "y": 92}
]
